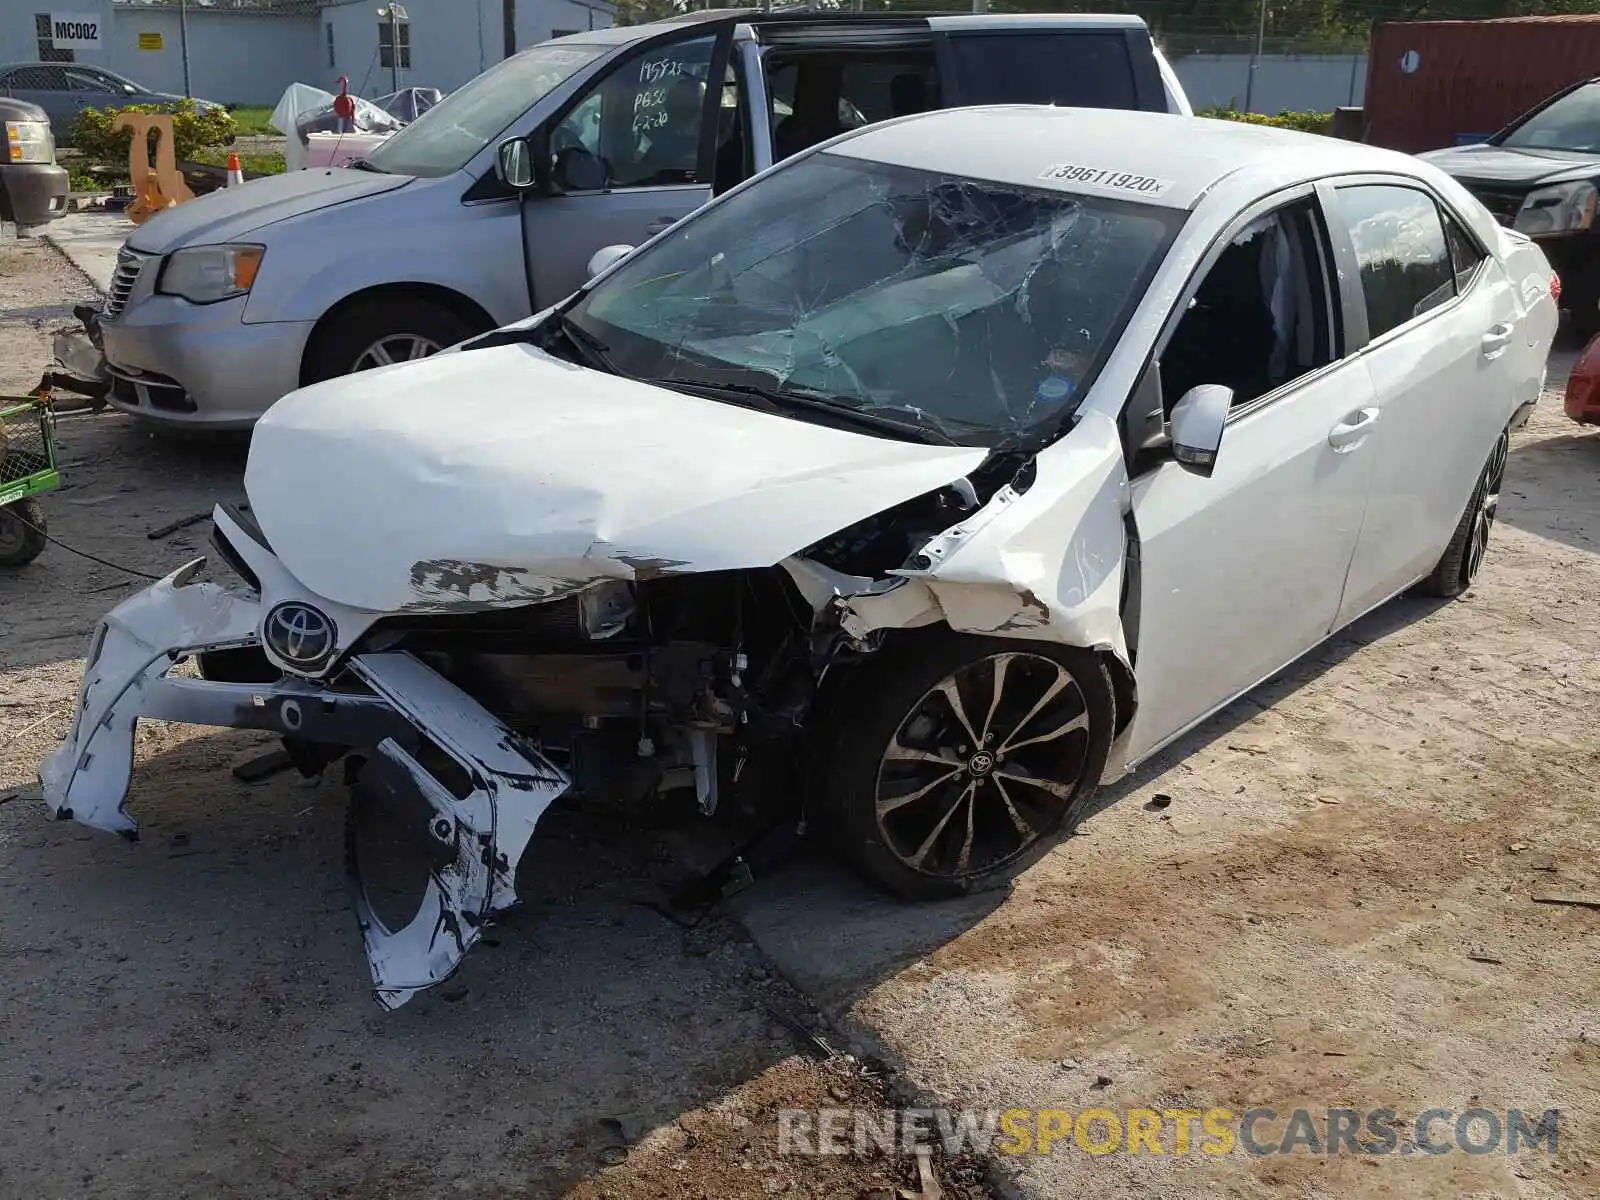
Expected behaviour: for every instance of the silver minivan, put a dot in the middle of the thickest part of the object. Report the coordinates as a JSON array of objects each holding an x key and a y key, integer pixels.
[{"x": 223, "y": 305}]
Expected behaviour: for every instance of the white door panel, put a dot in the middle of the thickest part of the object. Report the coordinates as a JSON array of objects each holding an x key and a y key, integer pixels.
[
  {"x": 1443, "y": 397},
  {"x": 1445, "y": 384},
  {"x": 1243, "y": 572}
]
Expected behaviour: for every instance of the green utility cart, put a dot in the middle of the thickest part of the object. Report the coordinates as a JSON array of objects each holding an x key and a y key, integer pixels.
[{"x": 27, "y": 468}]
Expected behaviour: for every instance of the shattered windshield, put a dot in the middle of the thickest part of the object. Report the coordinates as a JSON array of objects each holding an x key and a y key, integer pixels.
[{"x": 981, "y": 309}]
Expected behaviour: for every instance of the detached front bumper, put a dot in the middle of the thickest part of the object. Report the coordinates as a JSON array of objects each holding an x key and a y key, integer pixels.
[{"x": 389, "y": 708}]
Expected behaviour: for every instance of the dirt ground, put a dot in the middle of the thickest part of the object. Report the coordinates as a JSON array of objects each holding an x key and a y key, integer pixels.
[{"x": 1333, "y": 908}]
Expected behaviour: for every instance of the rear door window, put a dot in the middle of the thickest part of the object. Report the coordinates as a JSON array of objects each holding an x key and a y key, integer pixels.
[
  {"x": 1081, "y": 69},
  {"x": 1400, "y": 244}
]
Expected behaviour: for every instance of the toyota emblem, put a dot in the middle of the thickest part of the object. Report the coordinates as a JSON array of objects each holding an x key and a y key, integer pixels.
[{"x": 300, "y": 635}]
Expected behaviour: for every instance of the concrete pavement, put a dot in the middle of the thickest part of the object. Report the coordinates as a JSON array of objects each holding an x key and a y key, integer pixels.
[{"x": 90, "y": 240}]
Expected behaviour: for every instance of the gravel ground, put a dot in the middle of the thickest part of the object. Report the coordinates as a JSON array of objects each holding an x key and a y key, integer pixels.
[{"x": 1334, "y": 909}]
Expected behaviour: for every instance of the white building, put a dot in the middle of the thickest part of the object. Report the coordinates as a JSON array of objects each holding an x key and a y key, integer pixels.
[
  {"x": 442, "y": 43},
  {"x": 248, "y": 51}
]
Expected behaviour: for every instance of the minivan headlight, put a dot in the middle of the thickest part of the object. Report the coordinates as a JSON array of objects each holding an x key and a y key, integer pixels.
[
  {"x": 29, "y": 142},
  {"x": 1564, "y": 208},
  {"x": 206, "y": 274}
]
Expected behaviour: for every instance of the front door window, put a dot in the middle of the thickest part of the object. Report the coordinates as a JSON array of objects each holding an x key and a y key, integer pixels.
[
  {"x": 640, "y": 126},
  {"x": 1260, "y": 318}
]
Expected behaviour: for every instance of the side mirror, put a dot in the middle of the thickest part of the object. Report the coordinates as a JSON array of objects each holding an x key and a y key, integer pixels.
[
  {"x": 605, "y": 256},
  {"x": 514, "y": 163},
  {"x": 1196, "y": 426}
]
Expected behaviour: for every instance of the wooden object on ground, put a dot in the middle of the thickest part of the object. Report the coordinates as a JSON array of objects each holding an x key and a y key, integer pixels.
[{"x": 164, "y": 185}]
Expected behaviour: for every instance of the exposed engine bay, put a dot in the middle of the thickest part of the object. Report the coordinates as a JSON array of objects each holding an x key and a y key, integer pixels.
[{"x": 703, "y": 684}]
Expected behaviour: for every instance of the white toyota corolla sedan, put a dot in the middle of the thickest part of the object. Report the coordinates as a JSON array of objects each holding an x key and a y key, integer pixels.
[{"x": 913, "y": 488}]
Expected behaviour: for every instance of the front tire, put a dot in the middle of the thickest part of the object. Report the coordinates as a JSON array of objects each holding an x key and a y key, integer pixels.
[
  {"x": 382, "y": 331},
  {"x": 22, "y": 532},
  {"x": 1458, "y": 566},
  {"x": 959, "y": 761}
]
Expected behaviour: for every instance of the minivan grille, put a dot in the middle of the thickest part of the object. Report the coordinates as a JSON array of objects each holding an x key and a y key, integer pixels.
[{"x": 129, "y": 264}]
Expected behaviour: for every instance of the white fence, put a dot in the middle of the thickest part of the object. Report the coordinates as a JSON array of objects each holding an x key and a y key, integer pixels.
[{"x": 1284, "y": 82}]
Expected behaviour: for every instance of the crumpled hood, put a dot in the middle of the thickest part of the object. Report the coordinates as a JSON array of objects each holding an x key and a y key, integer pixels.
[
  {"x": 496, "y": 477},
  {"x": 230, "y": 213},
  {"x": 1496, "y": 164}
]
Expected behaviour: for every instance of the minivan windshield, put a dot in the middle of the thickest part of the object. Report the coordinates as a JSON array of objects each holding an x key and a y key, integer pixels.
[
  {"x": 979, "y": 309},
  {"x": 446, "y": 137},
  {"x": 1571, "y": 123}
]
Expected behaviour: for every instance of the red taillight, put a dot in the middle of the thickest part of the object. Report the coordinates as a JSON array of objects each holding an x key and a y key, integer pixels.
[{"x": 1555, "y": 287}]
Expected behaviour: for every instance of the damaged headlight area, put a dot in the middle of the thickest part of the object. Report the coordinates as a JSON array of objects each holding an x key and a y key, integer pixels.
[
  {"x": 455, "y": 732},
  {"x": 638, "y": 690}
]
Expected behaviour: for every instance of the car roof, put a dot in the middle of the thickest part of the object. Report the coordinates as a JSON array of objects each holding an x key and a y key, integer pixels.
[
  {"x": 71, "y": 66},
  {"x": 617, "y": 35},
  {"x": 1114, "y": 152}
]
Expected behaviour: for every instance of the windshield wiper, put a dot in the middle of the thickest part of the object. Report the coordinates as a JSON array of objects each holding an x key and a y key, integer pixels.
[
  {"x": 590, "y": 347},
  {"x": 361, "y": 164},
  {"x": 781, "y": 399},
  {"x": 591, "y": 350}
]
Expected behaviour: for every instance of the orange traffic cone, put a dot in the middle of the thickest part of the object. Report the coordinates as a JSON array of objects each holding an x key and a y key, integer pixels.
[{"x": 235, "y": 172}]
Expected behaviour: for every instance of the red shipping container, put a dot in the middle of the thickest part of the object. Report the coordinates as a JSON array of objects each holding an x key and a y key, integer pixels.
[{"x": 1432, "y": 83}]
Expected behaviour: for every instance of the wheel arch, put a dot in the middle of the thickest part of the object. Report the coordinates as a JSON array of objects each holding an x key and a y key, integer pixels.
[
  {"x": 1124, "y": 688},
  {"x": 463, "y": 306},
  {"x": 1124, "y": 685}
]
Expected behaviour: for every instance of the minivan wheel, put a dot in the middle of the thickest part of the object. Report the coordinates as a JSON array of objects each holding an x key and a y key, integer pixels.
[
  {"x": 381, "y": 331},
  {"x": 959, "y": 761},
  {"x": 1458, "y": 566}
]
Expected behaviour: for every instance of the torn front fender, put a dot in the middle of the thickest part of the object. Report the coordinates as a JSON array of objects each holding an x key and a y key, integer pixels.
[{"x": 1044, "y": 562}]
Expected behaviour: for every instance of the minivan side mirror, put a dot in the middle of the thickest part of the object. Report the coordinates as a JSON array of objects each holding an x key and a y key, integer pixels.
[
  {"x": 605, "y": 256},
  {"x": 513, "y": 163},
  {"x": 1196, "y": 426}
]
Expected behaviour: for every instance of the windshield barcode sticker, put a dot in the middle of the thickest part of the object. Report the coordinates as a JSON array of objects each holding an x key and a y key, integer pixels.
[{"x": 1116, "y": 181}]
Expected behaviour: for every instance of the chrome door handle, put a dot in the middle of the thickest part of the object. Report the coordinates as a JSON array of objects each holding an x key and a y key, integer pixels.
[
  {"x": 1353, "y": 429},
  {"x": 1496, "y": 339}
]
